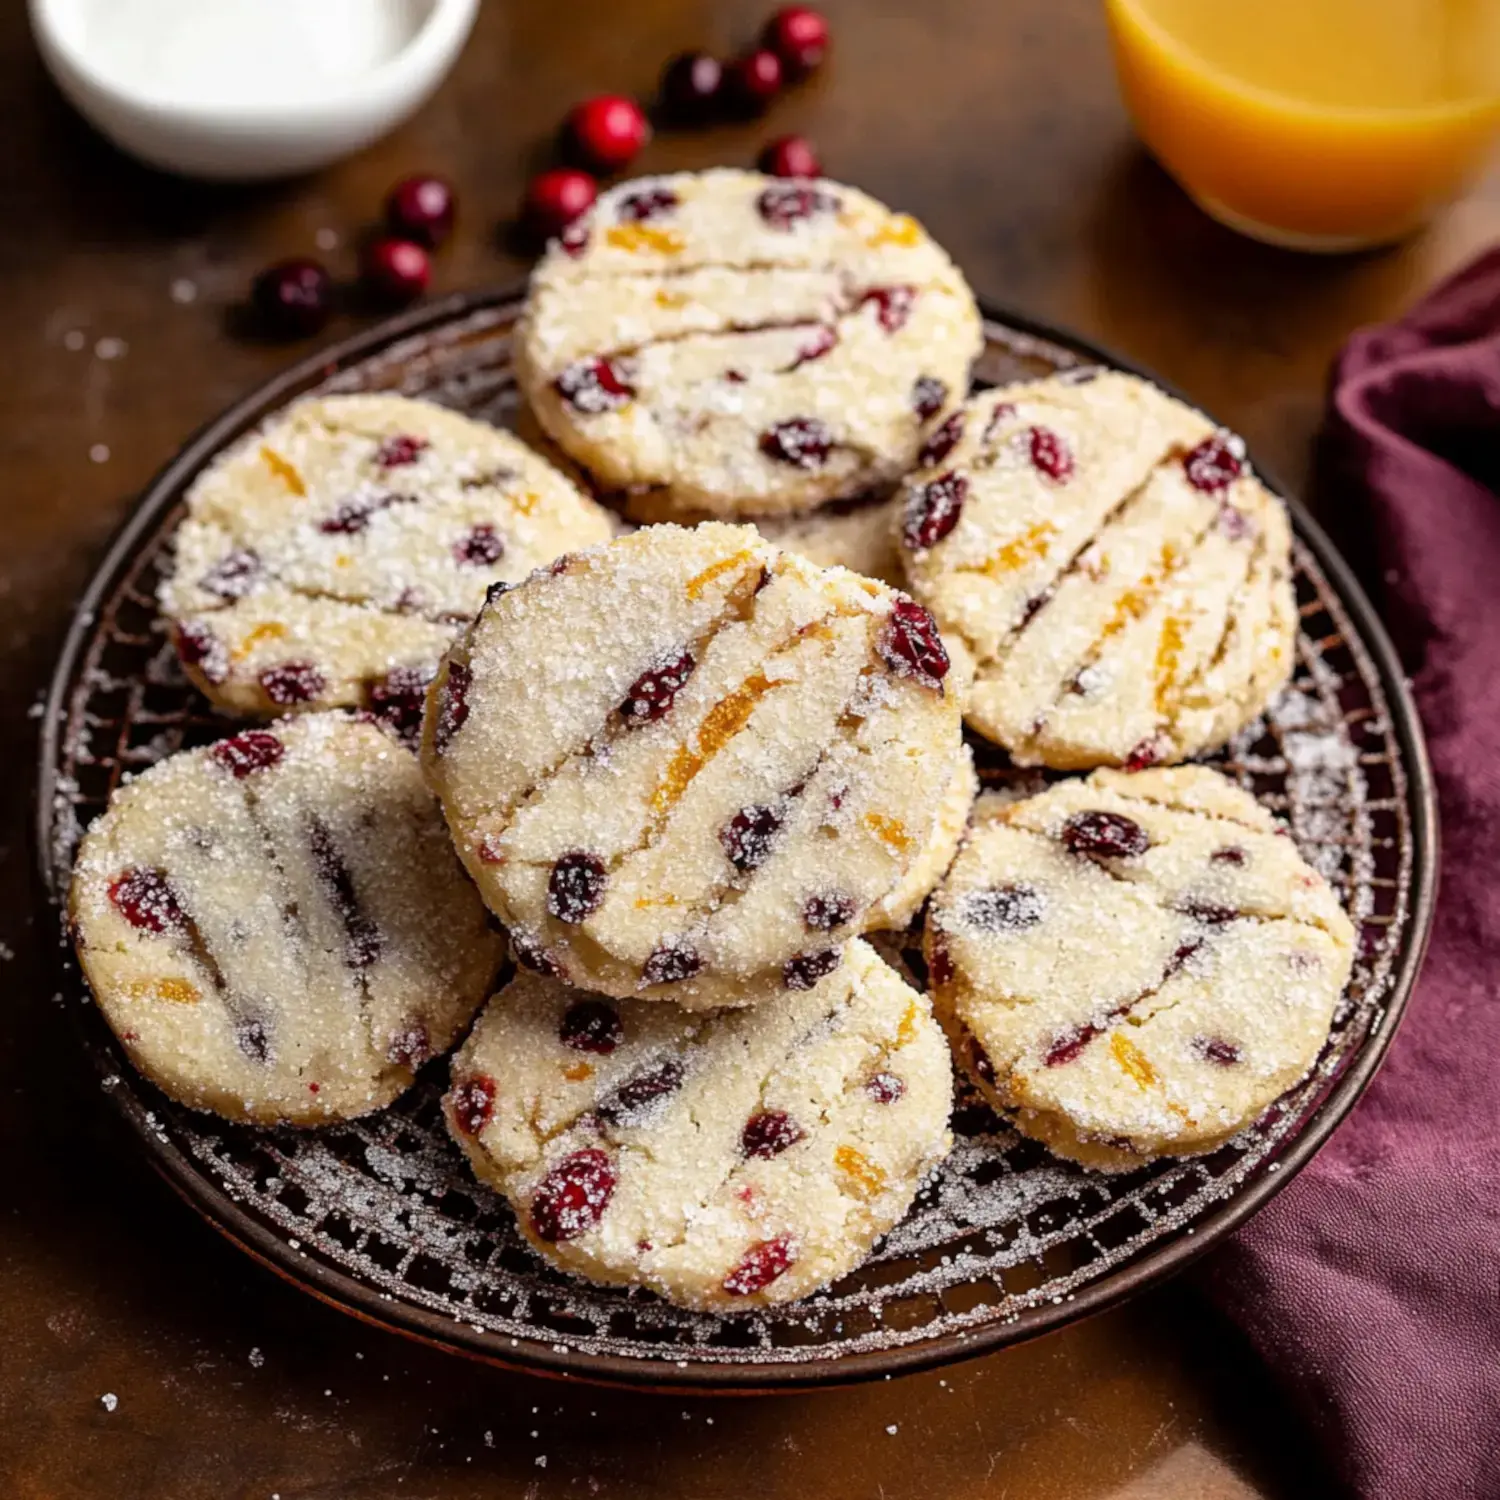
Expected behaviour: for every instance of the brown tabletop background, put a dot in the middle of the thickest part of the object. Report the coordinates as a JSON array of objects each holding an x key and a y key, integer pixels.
[{"x": 998, "y": 125}]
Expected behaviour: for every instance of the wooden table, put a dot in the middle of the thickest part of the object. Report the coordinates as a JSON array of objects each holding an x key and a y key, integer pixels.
[{"x": 141, "y": 1355}]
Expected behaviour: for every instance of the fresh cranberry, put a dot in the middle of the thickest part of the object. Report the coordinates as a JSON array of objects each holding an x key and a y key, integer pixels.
[
  {"x": 594, "y": 385},
  {"x": 798, "y": 35},
  {"x": 199, "y": 647},
  {"x": 395, "y": 271},
  {"x": 933, "y": 511},
  {"x": 1215, "y": 1049},
  {"x": 790, "y": 156},
  {"x": 637, "y": 1095},
  {"x": 760, "y": 1266},
  {"x": 653, "y": 693},
  {"x": 749, "y": 836},
  {"x": 1069, "y": 1045},
  {"x": 398, "y": 451},
  {"x": 927, "y": 396},
  {"x": 804, "y": 970},
  {"x": 910, "y": 645},
  {"x": 481, "y": 548},
  {"x": 592, "y": 1026},
  {"x": 572, "y": 1197},
  {"x": 293, "y": 298},
  {"x": 1003, "y": 908},
  {"x": 690, "y": 87},
  {"x": 1213, "y": 465},
  {"x": 362, "y": 946},
  {"x": 410, "y": 1047},
  {"x": 645, "y": 204},
  {"x": 233, "y": 576},
  {"x": 1230, "y": 854},
  {"x": 803, "y": 442},
  {"x": 1051, "y": 454},
  {"x": 753, "y": 80},
  {"x": 823, "y": 340},
  {"x": 556, "y": 198},
  {"x": 1110, "y": 835},
  {"x": 146, "y": 899},
  {"x": 825, "y": 912},
  {"x": 253, "y": 750},
  {"x": 942, "y": 442},
  {"x": 884, "y": 1088},
  {"x": 671, "y": 965},
  {"x": 575, "y": 889},
  {"x": 608, "y": 131},
  {"x": 893, "y": 305},
  {"x": 786, "y": 204},
  {"x": 453, "y": 705},
  {"x": 531, "y": 955},
  {"x": 472, "y": 1102},
  {"x": 399, "y": 700},
  {"x": 769, "y": 1133},
  {"x": 292, "y": 682},
  {"x": 421, "y": 209}
]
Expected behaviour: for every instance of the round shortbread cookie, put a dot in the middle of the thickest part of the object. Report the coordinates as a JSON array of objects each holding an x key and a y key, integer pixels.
[
  {"x": 724, "y": 1160},
  {"x": 1135, "y": 965},
  {"x": 330, "y": 558},
  {"x": 689, "y": 766},
  {"x": 1120, "y": 579},
  {"x": 276, "y": 927},
  {"x": 897, "y": 910},
  {"x": 742, "y": 345}
]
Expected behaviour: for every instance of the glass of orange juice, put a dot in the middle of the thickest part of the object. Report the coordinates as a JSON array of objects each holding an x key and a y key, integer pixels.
[{"x": 1315, "y": 124}]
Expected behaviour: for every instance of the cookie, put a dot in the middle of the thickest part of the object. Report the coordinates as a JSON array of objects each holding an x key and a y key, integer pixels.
[
  {"x": 742, "y": 345},
  {"x": 860, "y": 536},
  {"x": 1135, "y": 965},
  {"x": 330, "y": 558},
  {"x": 725, "y": 1160},
  {"x": 689, "y": 766},
  {"x": 897, "y": 910},
  {"x": 276, "y": 927},
  {"x": 1104, "y": 556}
]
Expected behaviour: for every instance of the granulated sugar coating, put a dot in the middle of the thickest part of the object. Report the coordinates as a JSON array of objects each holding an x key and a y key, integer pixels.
[
  {"x": 1119, "y": 578},
  {"x": 1135, "y": 964},
  {"x": 687, "y": 766},
  {"x": 276, "y": 927},
  {"x": 734, "y": 344},
  {"x": 725, "y": 1160},
  {"x": 330, "y": 558}
]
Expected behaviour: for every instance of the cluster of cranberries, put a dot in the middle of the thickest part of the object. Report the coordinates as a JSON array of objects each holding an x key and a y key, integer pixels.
[{"x": 604, "y": 135}]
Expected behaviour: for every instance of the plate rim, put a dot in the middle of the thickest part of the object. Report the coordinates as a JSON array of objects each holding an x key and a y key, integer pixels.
[{"x": 539, "y": 1356}]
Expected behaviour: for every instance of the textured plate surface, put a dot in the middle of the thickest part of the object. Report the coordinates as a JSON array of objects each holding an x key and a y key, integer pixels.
[{"x": 381, "y": 1216}]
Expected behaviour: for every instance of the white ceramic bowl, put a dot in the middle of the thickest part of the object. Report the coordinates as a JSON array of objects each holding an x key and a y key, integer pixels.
[{"x": 169, "y": 95}]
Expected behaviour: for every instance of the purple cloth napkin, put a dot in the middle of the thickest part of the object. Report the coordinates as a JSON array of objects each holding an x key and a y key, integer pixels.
[{"x": 1372, "y": 1285}]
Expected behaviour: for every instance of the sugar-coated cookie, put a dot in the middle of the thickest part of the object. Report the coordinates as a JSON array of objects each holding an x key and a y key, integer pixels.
[{"x": 897, "y": 910}]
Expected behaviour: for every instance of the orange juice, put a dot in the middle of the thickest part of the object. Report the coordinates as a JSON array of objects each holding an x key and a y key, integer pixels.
[{"x": 1319, "y": 124}]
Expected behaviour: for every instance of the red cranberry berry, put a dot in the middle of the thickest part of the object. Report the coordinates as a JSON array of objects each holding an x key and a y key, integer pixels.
[
  {"x": 1215, "y": 1049},
  {"x": 1144, "y": 755},
  {"x": 749, "y": 836},
  {"x": 473, "y": 1102},
  {"x": 594, "y": 385},
  {"x": 592, "y": 1026},
  {"x": 893, "y": 305},
  {"x": 910, "y": 645},
  {"x": 531, "y": 955},
  {"x": 1210, "y": 914},
  {"x": 804, "y": 970},
  {"x": 803, "y": 442},
  {"x": 398, "y": 451},
  {"x": 292, "y": 682},
  {"x": 884, "y": 1088},
  {"x": 671, "y": 965},
  {"x": 824, "y": 912},
  {"x": 761, "y": 1265},
  {"x": 572, "y": 1197},
  {"x": 575, "y": 889},
  {"x": 399, "y": 700},
  {"x": 253, "y": 750},
  {"x": 785, "y": 204},
  {"x": 421, "y": 209},
  {"x": 1051, "y": 454},
  {"x": 753, "y": 81},
  {"x": 608, "y": 131},
  {"x": 233, "y": 576},
  {"x": 645, "y": 204},
  {"x": 481, "y": 548},
  {"x": 927, "y": 396},
  {"x": 353, "y": 516},
  {"x": 933, "y": 511},
  {"x": 798, "y": 35},
  {"x": 453, "y": 705},
  {"x": 653, "y": 693},
  {"x": 410, "y": 1047},
  {"x": 146, "y": 900},
  {"x": 293, "y": 298},
  {"x": 395, "y": 271},
  {"x": 1213, "y": 465},
  {"x": 942, "y": 442},
  {"x": 1230, "y": 854},
  {"x": 556, "y": 198},
  {"x": 1109, "y": 835},
  {"x": 637, "y": 1095},
  {"x": 690, "y": 87},
  {"x": 769, "y": 1133},
  {"x": 1003, "y": 908},
  {"x": 790, "y": 156},
  {"x": 1069, "y": 1045}
]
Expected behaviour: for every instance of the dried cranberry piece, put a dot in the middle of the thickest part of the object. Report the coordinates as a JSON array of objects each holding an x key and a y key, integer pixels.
[
  {"x": 785, "y": 204},
  {"x": 453, "y": 705},
  {"x": 472, "y": 1103},
  {"x": 253, "y": 750},
  {"x": 909, "y": 644},
  {"x": 353, "y": 516},
  {"x": 927, "y": 396},
  {"x": 1069, "y": 1045},
  {"x": 481, "y": 548},
  {"x": 362, "y": 938},
  {"x": 572, "y": 1197},
  {"x": 822, "y": 913},
  {"x": 647, "y": 203},
  {"x": 933, "y": 511},
  {"x": 1107, "y": 834},
  {"x": 292, "y": 682},
  {"x": 531, "y": 955},
  {"x": 893, "y": 305},
  {"x": 1230, "y": 854},
  {"x": 654, "y": 692},
  {"x": 884, "y": 1088},
  {"x": 636, "y": 1096},
  {"x": 940, "y": 445},
  {"x": 146, "y": 899},
  {"x": 396, "y": 452},
  {"x": 671, "y": 965},
  {"x": 803, "y": 442},
  {"x": 199, "y": 647},
  {"x": 1213, "y": 465},
  {"x": 575, "y": 889},
  {"x": 1145, "y": 754},
  {"x": 1209, "y": 914},
  {"x": 592, "y": 1026},
  {"x": 593, "y": 386},
  {"x": 233, "y": 576},
  {"x": 1179, "y": 959},
  {"x": 804, "y": 970},
  {"x": 760, "y": 1266},
  {"x": 1051, "y": 454},
  {"x": 749, "y": 835},
  {"x": 399, "y": 700},
  {"x": 1001, "y": 412},
  {"x": 1215, "y": 1049},
  {"x": 410, "y": 1047},
  {"x": 769, "y": 1133},
  {"x": 1003, "y": 908},
  {"x": 821, "y": 341}
]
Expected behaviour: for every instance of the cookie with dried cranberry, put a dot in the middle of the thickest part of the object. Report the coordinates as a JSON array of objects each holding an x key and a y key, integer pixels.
[
  {"x": 1118, "y": 576},
  {"x": 330, "y": 558},
  {"x": 276, "y": 927},
  {"x": 1133, "y": 966},
  {"x": 689, "y": 766},
  {"x": 897, "y": 910},
  {"x": 724, "y": 1161},
  {"x": 739, "y": 345}
]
